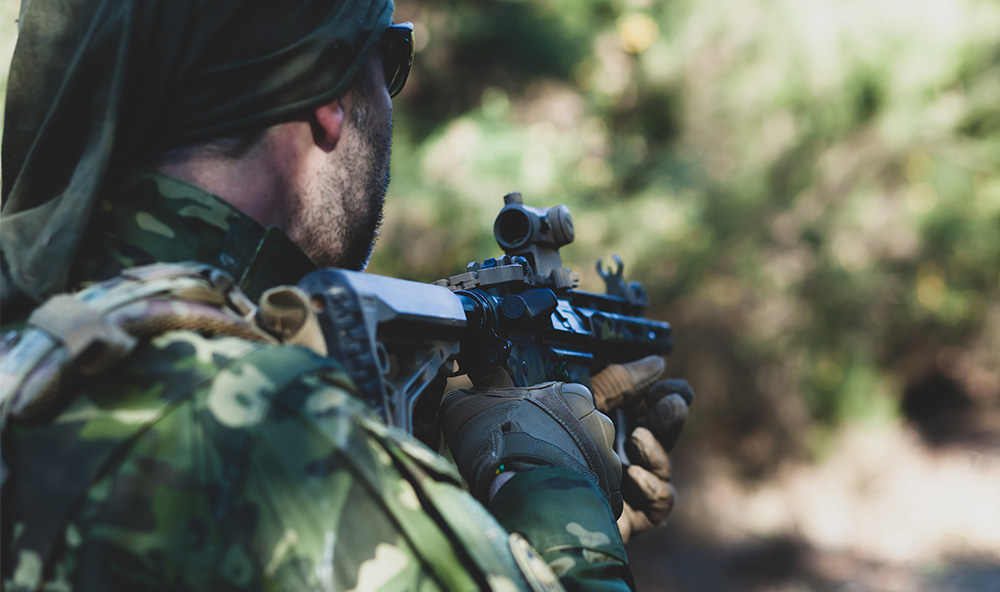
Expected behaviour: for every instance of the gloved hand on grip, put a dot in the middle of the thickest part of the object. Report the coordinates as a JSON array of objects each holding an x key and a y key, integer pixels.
[
  {"x": 491, "y": 431},
  {"x": 661, "y": 406}
]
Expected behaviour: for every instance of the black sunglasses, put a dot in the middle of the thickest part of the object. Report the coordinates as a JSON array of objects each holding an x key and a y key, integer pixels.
[{"x": 396, "y": 50}]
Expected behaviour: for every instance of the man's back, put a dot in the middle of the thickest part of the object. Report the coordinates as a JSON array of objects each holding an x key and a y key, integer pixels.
[
  {"x": 218, "y": 463},
  {"x": 215, "y": 462}
]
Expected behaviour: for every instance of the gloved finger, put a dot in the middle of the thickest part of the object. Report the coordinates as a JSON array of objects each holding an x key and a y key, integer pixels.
[
  {"x": 670, "y": 386},
  {"x": 462, "y": 381},
  {"x": 619, "y": 383},
  {"x": 633, "y": 521},
  {"x": 602, "y": 431},
  {"x": 497, "y": 379},
  {"x": 645, "y": 450},
  {"x": 666, "y": 418},
  {"x": 647, "y": 493}
]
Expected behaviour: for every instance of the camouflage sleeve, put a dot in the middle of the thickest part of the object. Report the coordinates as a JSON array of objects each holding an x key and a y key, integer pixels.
[
  {"x": 223, "y": 465},
  {"x": 566, "y": 518},
  {"x": 329, "y": 506},
  {"x": 335, "y": 500}
]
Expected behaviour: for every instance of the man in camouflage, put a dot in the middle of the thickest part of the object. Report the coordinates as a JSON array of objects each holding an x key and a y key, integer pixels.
[{"x": 254, "y": 139}]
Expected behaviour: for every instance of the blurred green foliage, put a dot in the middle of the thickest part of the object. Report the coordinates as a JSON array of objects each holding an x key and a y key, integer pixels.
[
  {"x": 8, "y": 35},
  {"x": 809, "y": 189}
]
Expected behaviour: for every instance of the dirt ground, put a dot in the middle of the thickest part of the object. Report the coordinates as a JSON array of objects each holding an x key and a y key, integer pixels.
[{"x": 883, "y": 512}]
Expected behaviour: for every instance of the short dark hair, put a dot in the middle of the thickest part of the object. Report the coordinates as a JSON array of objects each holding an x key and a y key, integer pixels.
[{"x": 230, "y": 147}]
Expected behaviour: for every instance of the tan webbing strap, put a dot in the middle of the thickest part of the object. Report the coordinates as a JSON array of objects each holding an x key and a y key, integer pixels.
[
  {"x": 92, "y": 341},
  {"x": 87, "y": 332}
]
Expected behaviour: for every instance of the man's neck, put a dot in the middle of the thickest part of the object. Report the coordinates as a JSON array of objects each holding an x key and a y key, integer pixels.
[
  {"x": 152, "y": 218},
  {"x": 248, "y": 183},
  {"x": 261, "y": 181}
]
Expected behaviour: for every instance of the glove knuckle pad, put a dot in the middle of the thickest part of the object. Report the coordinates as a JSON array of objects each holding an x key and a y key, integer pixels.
[{"x": 552, "y": 424}]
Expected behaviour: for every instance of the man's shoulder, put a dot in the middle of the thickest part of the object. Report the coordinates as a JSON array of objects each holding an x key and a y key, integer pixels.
[
  {"x": 151, "y": 337},
  {"x": 231, "y": 366},
  {"x": 167, "y": 434}
]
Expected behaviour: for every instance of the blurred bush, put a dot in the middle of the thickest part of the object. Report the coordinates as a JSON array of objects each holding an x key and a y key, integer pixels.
[{"x": 809, "y": 189}]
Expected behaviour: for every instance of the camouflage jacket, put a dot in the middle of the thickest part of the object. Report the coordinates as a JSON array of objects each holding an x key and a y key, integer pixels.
[{"x": 220, "y": 464}]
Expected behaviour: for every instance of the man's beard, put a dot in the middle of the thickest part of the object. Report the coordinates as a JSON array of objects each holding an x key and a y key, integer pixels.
[{"x": 357, "y": 181}]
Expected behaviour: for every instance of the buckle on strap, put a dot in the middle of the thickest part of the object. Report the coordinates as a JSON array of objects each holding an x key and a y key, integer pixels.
[{"x": 93, "y": 342}]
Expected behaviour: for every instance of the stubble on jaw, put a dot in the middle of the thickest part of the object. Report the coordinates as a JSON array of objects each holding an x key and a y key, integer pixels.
[{"x": 336, "y": 219}]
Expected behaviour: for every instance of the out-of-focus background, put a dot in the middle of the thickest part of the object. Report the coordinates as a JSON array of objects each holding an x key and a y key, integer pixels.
[{"x": 810, "y": 191}]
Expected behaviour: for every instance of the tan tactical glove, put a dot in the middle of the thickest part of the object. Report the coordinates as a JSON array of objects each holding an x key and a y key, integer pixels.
[
  {"x": 493, "y": 430},
  {"x": 661, "y": 407}
]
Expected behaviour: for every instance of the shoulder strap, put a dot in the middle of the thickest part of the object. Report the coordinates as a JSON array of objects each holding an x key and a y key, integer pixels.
[{"x": 84, "y": 333}]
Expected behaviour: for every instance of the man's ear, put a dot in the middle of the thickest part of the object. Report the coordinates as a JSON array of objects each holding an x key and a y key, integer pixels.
[{"x": 327, "y": 122}]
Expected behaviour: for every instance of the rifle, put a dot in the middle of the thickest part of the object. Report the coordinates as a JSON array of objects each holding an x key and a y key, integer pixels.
[{"x": 521, "y": 313}]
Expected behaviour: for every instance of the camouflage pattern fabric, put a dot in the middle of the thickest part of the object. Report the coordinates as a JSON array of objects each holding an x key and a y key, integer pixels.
[
  {"x": 220, "y": 464},
  {"x": 155, "y": 218}
]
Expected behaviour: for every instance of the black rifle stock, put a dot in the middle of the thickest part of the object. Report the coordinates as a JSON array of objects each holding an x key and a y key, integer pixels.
[{"x": 400, "y": 339}]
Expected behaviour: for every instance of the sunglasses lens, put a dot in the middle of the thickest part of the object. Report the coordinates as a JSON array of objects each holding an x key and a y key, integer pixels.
[{"x": 397, "y": 56}]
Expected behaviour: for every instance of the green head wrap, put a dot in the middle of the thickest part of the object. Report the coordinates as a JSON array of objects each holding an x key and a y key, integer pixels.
[{"x": 97, "y": 85}]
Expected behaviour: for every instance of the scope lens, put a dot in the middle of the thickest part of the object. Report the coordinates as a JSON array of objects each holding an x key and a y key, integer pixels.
[{"x": 513, "y": 228}]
